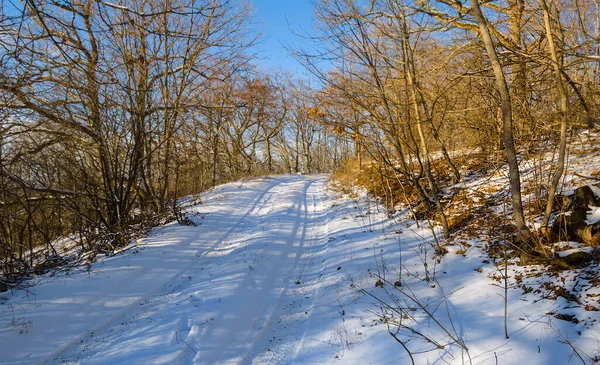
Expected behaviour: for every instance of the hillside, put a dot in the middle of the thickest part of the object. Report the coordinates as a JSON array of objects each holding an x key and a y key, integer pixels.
[{"x": 284, "y": 270}]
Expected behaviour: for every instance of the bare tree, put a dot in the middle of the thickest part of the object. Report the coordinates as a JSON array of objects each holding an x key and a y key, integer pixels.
[{"x": 564, "y": 111}]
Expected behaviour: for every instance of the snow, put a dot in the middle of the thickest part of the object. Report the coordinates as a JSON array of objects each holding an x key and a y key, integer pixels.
[
  {"x": 593, "y": 215},
  {"x": 595, "y": 189},
  {"x": 575, "y": 250},
  {"x": 283, "y": 270}
]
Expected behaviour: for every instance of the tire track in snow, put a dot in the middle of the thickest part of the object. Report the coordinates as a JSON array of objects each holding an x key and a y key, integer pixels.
[
  {"x": 278, "y": 343},
  {"x": 313, "y": 286},
  {"x": 293, "y": 239},
  {"x": 163, "y": 290},
  {"x": 276, "y": 313}
]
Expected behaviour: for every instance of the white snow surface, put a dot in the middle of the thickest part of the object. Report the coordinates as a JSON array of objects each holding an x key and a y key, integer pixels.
[
  {"x": 595, "y": 189},
  {"x": 593, "y": 215},
  {"x": 282, "y": 270},
  {"x": 575, "y": 250}
]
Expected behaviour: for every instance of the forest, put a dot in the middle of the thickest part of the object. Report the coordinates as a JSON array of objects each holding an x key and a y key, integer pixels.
[
  {"x": 113, "y": 113},
  {"x": 466, "y": 128},
  {"x": 110, "y": 113}
]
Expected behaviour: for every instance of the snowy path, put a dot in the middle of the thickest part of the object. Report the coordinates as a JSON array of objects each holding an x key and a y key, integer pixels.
[
  {"x": 204, "y": 295},
  {"x": 276, "y": 273}
]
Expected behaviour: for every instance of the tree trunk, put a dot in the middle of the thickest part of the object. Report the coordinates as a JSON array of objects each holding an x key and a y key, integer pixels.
[
  {"x": 523, "y": 233},
  {"x": 215, "y": 156},
  {"x": 269, "y": 155},
  {"x": 412, "y": 84},
  {"x": 564, "y": 112},
  {"x": 297, "y": 161}
]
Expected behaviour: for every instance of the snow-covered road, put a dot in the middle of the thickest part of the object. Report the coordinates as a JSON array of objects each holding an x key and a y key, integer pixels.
[
  {"x": 282, "y": 270},
  {"x": 210, "y": 294}
]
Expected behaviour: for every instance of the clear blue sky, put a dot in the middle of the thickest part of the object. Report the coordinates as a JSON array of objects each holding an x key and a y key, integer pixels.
[
  {"x": 274, "y": 18},
  {"x": 277, "y": 20}
]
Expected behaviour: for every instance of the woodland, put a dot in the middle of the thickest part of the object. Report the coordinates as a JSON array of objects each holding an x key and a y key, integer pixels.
[{"x": 111, "y": 112}]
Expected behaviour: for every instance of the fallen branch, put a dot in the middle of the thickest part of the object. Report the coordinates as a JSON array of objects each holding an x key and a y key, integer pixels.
[{"x": 188, "y": 345}]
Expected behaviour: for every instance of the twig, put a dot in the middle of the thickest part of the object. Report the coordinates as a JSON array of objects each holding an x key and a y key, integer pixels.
[
  {"x": 188, "y": 345},
  {"x": 587, "y": 177},
  {"x": 412, "y": 360}
]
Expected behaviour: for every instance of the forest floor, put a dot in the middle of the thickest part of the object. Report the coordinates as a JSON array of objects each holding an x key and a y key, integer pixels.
[{"x": 286, "y": 270}]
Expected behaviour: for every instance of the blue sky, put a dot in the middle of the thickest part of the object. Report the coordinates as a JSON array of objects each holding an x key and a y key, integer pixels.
[
  {"x": 275, "y": 19},
  {"x": 272, "y": 18}
]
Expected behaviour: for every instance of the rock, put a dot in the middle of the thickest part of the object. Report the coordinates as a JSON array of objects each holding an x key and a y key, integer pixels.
[
  {"x": 567, "y": 317},
  {"x": 574, "y": 260},
  {"x": 584, "y": 197},
  {"x": 570, "y": 228},
  {"x": 572, "y": 225}
]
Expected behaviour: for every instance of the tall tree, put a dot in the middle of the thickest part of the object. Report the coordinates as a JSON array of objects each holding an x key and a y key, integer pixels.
[{"x": 523, "y": 232}]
